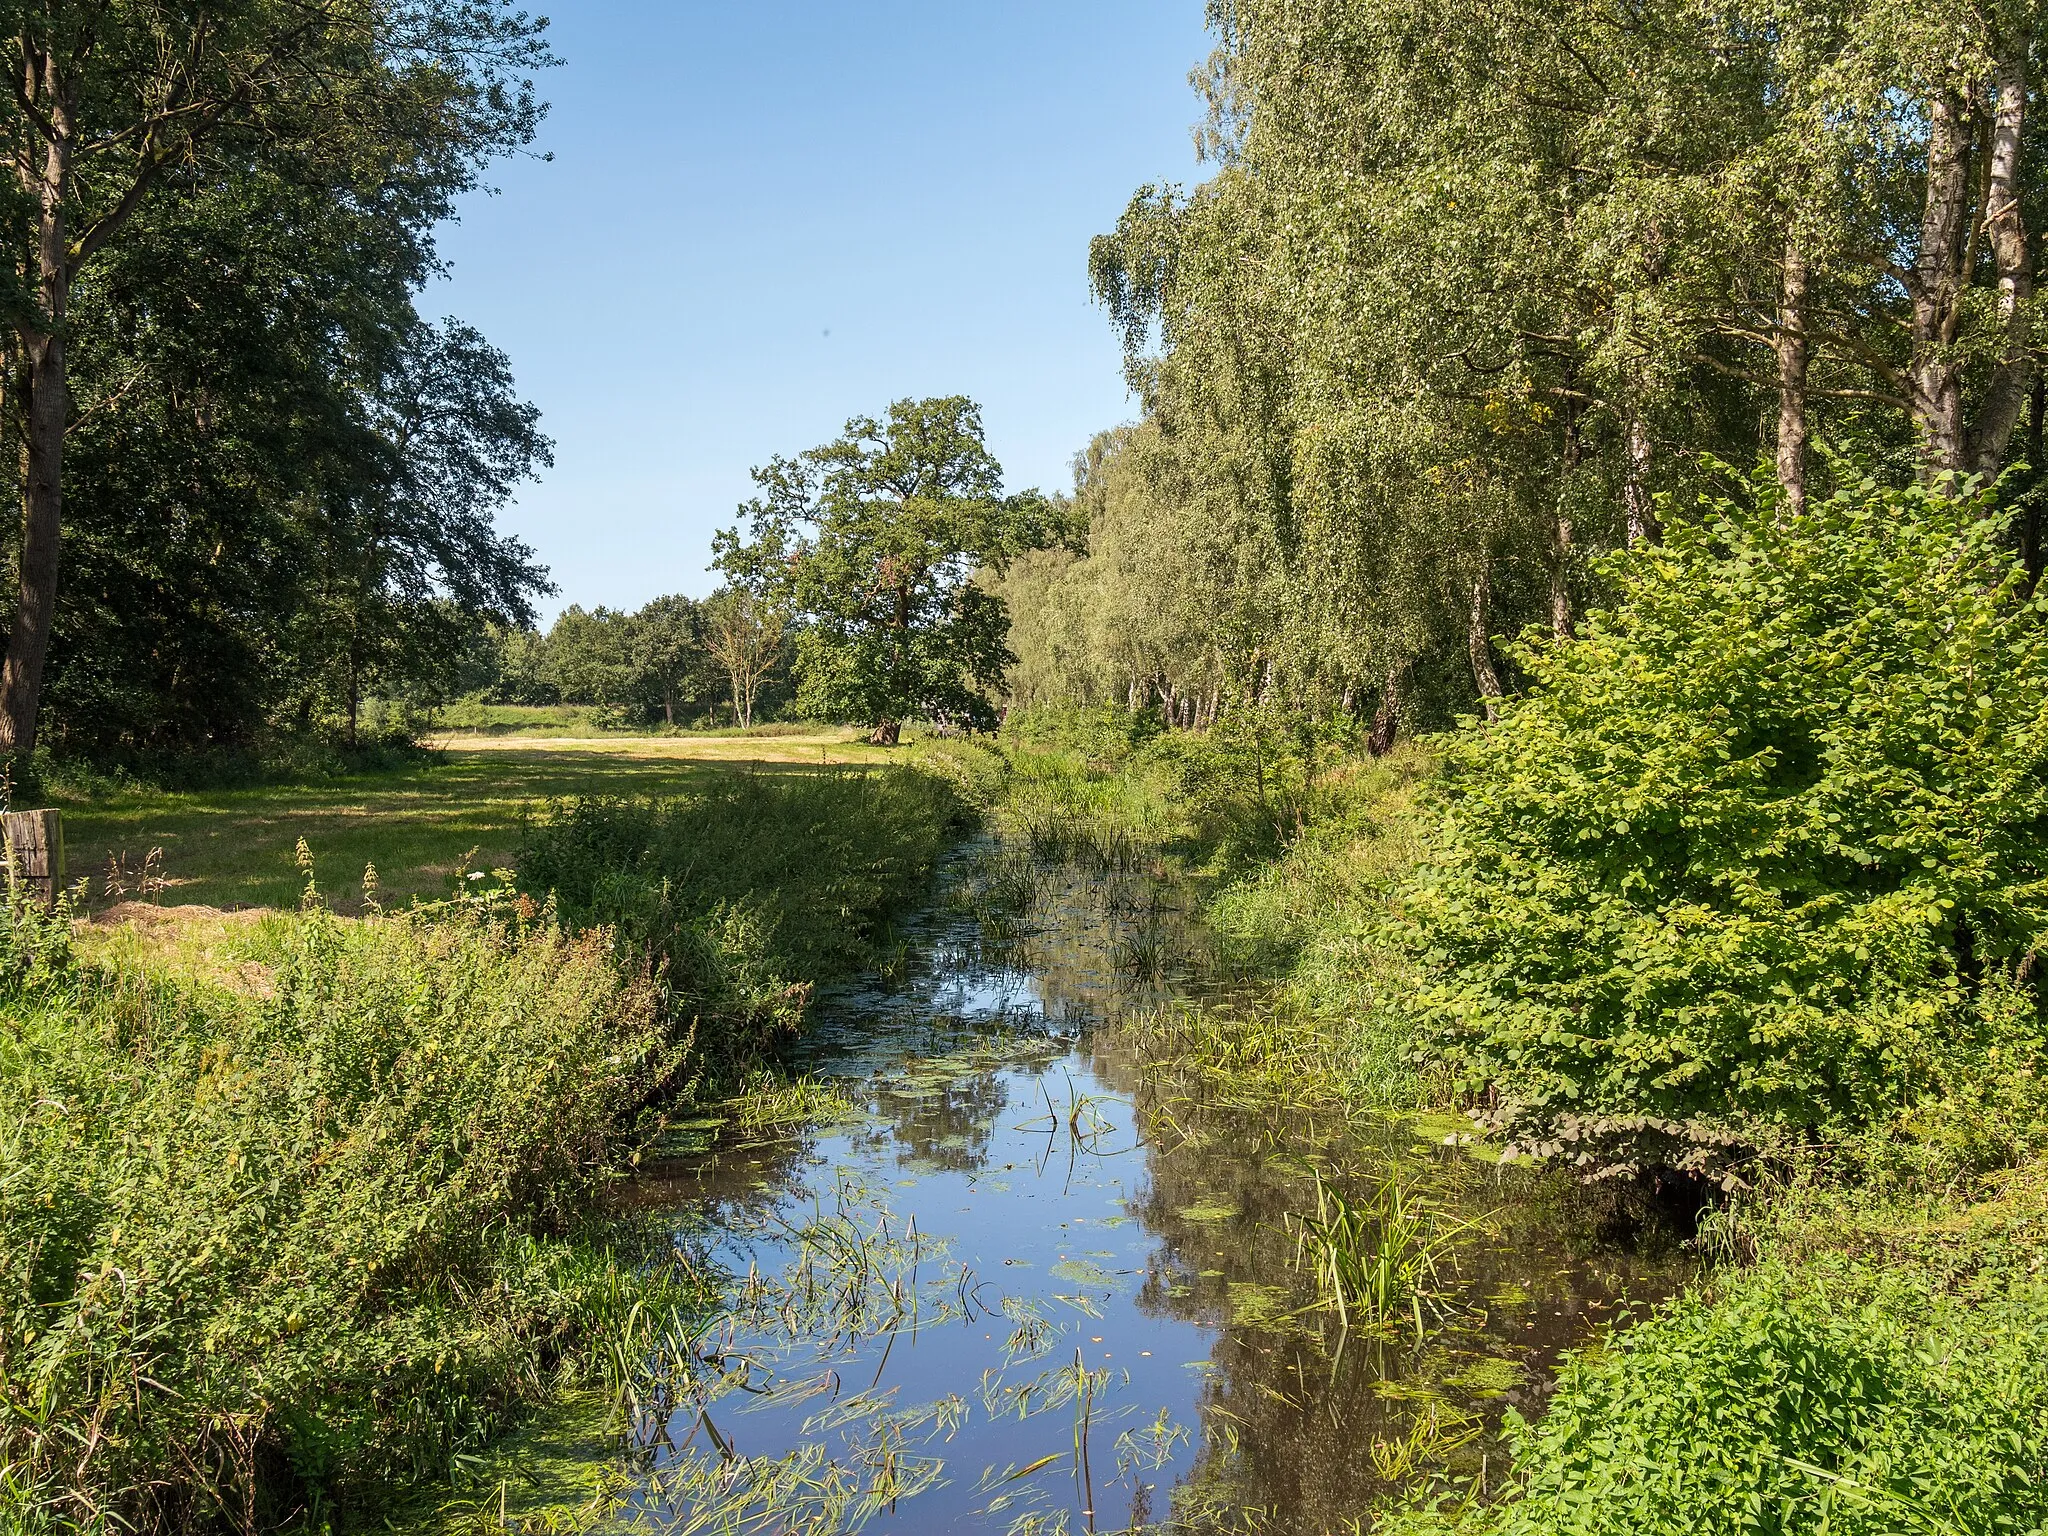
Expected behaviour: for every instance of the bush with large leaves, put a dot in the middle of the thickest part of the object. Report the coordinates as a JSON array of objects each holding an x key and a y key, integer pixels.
[{"x": 1759, "y": 857}]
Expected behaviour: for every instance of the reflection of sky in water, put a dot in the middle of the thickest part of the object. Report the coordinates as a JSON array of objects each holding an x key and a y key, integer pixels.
[{"x": 1022, "y": 1245}]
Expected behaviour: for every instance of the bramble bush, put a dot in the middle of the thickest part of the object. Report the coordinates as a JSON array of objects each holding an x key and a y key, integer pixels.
[
  {"x": 266, "y": 1256},
  {"x": 1760, "y": 856}
]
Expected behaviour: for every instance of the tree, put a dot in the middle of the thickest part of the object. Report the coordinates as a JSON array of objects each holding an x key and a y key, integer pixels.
[
  {"x": 593, "y": 657},
  {"x": 119, "y": 104},
  {"x": 1469, "y": 288},
  {"x": 456, "y": 441},
  {"x": 245, "y": 435},
  {"x": 744, "y": 633},
  {"x": 872, "y": 542},
  {"x": 670, "y": 652}
]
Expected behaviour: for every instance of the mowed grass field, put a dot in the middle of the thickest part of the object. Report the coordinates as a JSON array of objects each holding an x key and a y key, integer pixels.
[{"x": 236, "y": 848}]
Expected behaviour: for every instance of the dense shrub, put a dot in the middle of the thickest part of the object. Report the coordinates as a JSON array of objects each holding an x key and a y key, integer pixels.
[
  {"x": 747, "y": 892},
  {"x": 1841, "y": 1395},
  {"x": 1760, "y": 854},
  {"x": 264, "y": 1252}
]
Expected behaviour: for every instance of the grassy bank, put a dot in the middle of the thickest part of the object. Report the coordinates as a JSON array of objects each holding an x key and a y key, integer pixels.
[
  {"x": 1879, "y": 1366},
  {"x": 272, "y": 1250},
  {"x": 301, "y": 1211}
]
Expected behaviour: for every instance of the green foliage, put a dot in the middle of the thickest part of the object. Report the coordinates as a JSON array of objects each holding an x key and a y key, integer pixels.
[
  {"x": 275, "y": 467},
  {"x": 1142, "y": 613},
  {"x": 747, "y": 892},
  {"x": 277, "y": 1251},
  {"x": 635, "y": 668},
  {"x": 872, "y": 544},
  {"x": 1838, "y": 1395},
  {"x": 1760, "y": 854}
]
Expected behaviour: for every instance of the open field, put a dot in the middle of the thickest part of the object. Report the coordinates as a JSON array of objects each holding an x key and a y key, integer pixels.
[
  {"x": 235, "y": 848},
  {"x": 810, "y": 747}
]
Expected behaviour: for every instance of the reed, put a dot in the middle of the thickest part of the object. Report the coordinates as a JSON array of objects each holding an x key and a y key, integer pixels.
[{"x": 1377, "y": 1261}]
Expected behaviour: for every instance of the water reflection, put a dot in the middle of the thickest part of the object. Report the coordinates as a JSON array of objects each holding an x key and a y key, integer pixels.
[{"x": 1038, "y": 1287}]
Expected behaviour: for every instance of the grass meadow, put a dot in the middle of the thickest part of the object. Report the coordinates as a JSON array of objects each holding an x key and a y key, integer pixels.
[
  {"x": 232, "y": 848},
  {"x": 301, "y": 1211}
]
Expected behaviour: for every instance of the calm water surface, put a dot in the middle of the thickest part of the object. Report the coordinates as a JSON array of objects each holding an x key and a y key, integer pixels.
[{"x": 1041, "y": 1285}]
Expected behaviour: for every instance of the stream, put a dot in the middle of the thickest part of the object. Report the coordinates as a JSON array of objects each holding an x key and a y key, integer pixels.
[{"x": 1037, "y": 1280}]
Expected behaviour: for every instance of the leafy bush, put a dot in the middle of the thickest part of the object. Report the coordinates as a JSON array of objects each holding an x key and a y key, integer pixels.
[
  {"x": 261, "y": 1255},
  {"x": 1257, "y": 780},
  {"x": 1761, "y": 855},
  {"x": 747, "y": 892},
  {"x": 1841, "y": 1395}
]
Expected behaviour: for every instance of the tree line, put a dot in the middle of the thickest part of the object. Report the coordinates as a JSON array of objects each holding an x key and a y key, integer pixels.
[
  {"x": 1473, "y": 297},
  {"x": 676, "y": 661}
]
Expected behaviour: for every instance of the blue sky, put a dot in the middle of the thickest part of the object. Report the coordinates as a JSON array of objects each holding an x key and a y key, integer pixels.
[{"x": 764, "y": 217}]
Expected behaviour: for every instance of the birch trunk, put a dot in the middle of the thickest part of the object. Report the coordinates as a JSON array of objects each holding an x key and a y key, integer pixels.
[
  {"x": 1635, "y": 487},
  {"x": 2005, "y": 393},
  {"x": 1386, "y": 720},
  {"x": 1479, "y": 645},
  {"x": 1937, "y": 380},
  {"x": 1792, "y": 362}
]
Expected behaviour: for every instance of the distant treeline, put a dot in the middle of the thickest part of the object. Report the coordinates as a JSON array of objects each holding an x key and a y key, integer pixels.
[{"x": 659, "y": 665}]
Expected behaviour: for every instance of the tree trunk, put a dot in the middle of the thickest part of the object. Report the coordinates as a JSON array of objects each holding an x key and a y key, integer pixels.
[
  {"x": 1635, "y": 486},
  {"x": 1937, "y": 379},
  {"x": 48, "y": 407},
  {"x": 1560, "y": 594},
  {"x": 1792, "y": 359},
  {"x": 668, "y": 706},
  {"x": 1479, "y": 644},
  {"x": 355, "y": 694},
  {"x": 887, "y": 734},
  {"x": 1561, "y": 529},
  {"x": 1386, "y": 721},
  {"x": 2030, "y": 517},
  {"x": 2005, "y": 393}
]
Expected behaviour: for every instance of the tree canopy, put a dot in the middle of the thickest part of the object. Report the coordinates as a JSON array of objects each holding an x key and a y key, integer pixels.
[
  {"x": 1470, "y": 290},
  {"x": 268, "y": 475},
  {"x": 873, "y": 543}
]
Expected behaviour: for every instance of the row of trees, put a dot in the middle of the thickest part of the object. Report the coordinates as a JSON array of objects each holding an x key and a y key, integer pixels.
[
  {"x": 257, "y": 484},
  {"x": 1470, "y": 290},
  {"x": 675, "y": 661}
]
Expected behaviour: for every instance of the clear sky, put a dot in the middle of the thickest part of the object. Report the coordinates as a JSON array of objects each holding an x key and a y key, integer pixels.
[{"x": 765, "y": 216}]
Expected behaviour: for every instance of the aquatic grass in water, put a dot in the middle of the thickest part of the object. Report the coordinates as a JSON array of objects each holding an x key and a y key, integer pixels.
[{"x": 1375, "y": 1260}]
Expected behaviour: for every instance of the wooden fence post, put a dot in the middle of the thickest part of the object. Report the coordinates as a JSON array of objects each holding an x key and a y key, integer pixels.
[{"x": 34, "y": 850}]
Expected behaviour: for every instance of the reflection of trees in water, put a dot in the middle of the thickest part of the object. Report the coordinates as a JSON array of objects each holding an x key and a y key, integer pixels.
[
  {"x": 1292, "y": 1405},
  {"x": 1290, "y": 1408},
  {"x": 946, "y": 1126}
]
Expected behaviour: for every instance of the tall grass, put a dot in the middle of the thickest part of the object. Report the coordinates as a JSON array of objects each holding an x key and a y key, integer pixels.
[
  {"x": 266, "y": 1255},
  {"x": 1376, "y": 1259},
  {"x": 746, "y": 893}
]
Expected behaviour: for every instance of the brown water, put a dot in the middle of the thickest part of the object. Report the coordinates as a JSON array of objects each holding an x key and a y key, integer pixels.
[{"x": 1042, "y": 1284}]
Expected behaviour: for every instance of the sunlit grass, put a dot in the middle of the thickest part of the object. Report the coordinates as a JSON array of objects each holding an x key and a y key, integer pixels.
[{"x": 416, "y": 826}]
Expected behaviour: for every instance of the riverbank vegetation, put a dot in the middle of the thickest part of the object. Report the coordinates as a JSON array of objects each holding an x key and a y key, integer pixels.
[
  {"x": 299, "y": 1211},
  {"x": 1742, "y": 891}
]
